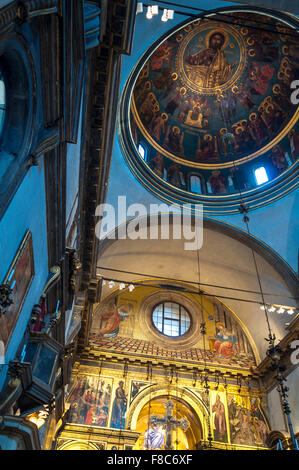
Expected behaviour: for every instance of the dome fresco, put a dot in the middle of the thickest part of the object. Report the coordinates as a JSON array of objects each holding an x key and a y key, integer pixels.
[{"x": 211, "y": 105}]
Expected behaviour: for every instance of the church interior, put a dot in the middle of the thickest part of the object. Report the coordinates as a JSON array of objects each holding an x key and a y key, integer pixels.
[{"x": 149, "y": 192}]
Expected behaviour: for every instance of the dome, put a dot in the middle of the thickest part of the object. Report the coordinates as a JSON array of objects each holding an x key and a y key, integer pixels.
[{"x": 210, "y": 111}]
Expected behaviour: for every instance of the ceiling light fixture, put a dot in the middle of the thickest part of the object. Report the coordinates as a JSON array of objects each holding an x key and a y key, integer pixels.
[
  {"x": 139, "y": 7},
  {"x": 152, "y": 11},
  {"x": 167, "y": 15}
]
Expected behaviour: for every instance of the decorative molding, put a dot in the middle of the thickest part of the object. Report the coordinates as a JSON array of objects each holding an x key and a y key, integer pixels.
[
  {"x": 50, "y": 70},
  {"x": 92, "y": 27},
  {"x": 103, "y": 89},
  {"x": 73, "y": 59}
]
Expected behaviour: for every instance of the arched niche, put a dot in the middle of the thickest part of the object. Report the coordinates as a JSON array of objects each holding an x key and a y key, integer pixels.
[
  {"x": 197, "y": 413},
  {"x": 138, "y": 306},
  {"x": 78, "y": 445}
]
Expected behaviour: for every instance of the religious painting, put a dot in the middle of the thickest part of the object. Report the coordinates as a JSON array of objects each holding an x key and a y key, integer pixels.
[
  {"x": 228, "y": 342},
  {"x": 136, "y": 387},
  {"x": 90, "y": 401},
  {"x": 218, "y": 414},
  {"x": 213, "y": 98},
  {"x": 119, "y": 406},
  {"x": 211, "y": 56},
  {"x": 19, "y": 278},
  {"x": 205, "y": 397},
  {"x": 247, "y": 421},
  {"x": 112, "y": 318}
]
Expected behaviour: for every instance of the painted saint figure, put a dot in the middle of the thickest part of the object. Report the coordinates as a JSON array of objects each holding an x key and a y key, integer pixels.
[
  {"x": 209, "y": 68},
  {"x": 119, "y": 407},
  {"x": 217, "y": 182},
  {"x": 219, "y": 419},
  {"x": 159, "y": 165},
  {"x": 225, "y": 342}
]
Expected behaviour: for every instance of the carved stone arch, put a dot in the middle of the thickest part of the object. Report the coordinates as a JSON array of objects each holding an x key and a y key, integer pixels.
[
  {"x": 71, "y": 444},
  {"x": 274, "y": 437},
  {"x": 177, "y": 393}
]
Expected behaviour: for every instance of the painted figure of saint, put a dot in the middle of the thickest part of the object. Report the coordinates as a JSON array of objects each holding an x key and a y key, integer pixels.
[
  {"x": 225, "y": 342},
  {"x": 159, "y": 165},
  {"x": 158, "y": 127},
  {"x": 154, "y": 438},
  {"x": 219, "y": 419},
  {"x": 217, "y": 182},
  {"x": 206, "y": 150},
  {"x": 174, "y": 140},
  {"x": 209, "y": 68},
  {"x": 175, "y": 176},
  {"x": 119, "y": 407},
  {"x": 278, "y": 159},
  {"x": 294, "y": 143}
]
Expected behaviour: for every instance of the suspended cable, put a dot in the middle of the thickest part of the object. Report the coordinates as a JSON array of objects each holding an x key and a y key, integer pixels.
[
  {"x": 149, "y": 378},
  {"x": 186, "y": 291},
  {"x": 273, "y": 351},
  {"x": 191, "y": 282}
]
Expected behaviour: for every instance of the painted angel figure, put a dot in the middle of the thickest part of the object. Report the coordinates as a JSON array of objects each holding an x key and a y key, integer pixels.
[{"x": 110, "y": 322}]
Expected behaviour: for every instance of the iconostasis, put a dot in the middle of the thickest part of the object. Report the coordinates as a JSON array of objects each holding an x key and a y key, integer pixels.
[
  {"x": 236, "y": 418},
  {"x": 146, "y": 349}
]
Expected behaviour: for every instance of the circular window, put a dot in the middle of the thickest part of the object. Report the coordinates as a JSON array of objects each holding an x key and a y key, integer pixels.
[{"x": 171, "y": 319}]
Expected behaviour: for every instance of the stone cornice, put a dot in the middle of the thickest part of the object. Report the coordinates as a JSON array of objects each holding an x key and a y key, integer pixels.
[{"x": 90, "y": 357}]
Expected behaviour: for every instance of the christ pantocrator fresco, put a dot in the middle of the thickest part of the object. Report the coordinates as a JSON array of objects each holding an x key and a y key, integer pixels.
[
  {"x": 212, "y": 94},
  {"x": 209, "y": 68}
]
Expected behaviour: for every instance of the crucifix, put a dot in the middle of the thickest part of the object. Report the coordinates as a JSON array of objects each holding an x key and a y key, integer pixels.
[{"x": 170, "y": 423}]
